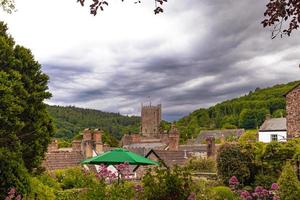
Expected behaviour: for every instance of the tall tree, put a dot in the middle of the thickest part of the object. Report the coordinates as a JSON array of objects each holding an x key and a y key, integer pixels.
[{"x": 23, "y": 89}]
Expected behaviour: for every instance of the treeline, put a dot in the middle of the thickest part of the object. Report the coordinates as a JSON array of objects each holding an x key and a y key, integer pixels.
[
  {"x": 70, "y": 121},
  {"x": 247, "y": 112}
]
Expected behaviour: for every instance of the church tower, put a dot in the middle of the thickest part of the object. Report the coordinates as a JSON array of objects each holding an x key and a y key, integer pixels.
[{"x": 150, "y": 120}]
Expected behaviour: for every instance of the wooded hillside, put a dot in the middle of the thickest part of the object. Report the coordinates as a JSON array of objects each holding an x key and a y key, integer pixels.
[
  {"x": 247, "y": 112},
  {"x": 70, "y": 120}
]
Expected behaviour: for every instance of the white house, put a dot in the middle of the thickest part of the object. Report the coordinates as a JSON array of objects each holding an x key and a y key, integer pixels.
[{"x": 273, "y": 130}]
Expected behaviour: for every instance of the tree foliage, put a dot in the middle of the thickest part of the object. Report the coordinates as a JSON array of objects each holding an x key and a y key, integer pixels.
[
  {"x": 26, "y": 127},
  {"x": 248, "y": 111},
  {"x": 97, "y": 5},
  {"x": 281, "y": 12},
  {"x": 69, "y": 121},
  {"x": 289, "y": 185}
]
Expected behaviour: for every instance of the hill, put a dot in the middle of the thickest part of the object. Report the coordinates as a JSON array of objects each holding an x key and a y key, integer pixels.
[
  {"x": 247, "y": 112},
  {"x": 70, "y": 120}
]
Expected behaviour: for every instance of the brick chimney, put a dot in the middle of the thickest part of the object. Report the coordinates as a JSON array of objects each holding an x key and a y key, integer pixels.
[
  {"x": 76, "y": 145},
  {"x": 97, "y": 139},
  {"x": 173, "y": 138},
  {"x": 87, "y": 143},
  {"x": 211, "y": 148},
  {"x": 53, "y": 146}
]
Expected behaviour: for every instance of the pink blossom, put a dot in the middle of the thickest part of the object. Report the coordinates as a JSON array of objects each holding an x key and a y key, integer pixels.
[{"x": 275, "y": 186}]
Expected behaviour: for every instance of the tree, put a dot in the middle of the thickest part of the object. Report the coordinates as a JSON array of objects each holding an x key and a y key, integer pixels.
[
  {"x": 236, "y": 160},
  {"x": 289, "y": 185},
  {"x": 278, "y": 13},
  {"x": 100, "y": 4},
  {"x": 26, "y": 127},
  {"x": 8, "y": 5},
  {"x": 248, "y": 119}
]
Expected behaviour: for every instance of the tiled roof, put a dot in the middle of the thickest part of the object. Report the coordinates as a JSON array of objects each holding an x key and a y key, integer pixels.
[
  {"x": 146, "y": 145},
  {"x": 62, "y": 159},
  {"x": 172, "y": 158},
  {"x": 193, "y": 148},
  {"x": 275, "y": 124},
  {"x": 218, "y": 133}
]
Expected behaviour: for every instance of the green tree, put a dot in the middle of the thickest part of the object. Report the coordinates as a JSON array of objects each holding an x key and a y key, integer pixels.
[
  {"x": 26, "y": 127},
  {"x": 248, "y": 119},
  {"x": 236, "y": 160},
  {"x": 289, "y": 185}
]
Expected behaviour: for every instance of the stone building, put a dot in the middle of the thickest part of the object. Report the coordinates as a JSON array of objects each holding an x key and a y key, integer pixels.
[
  {"x": 60, "y": 158},
  {"x": 293, "y": 111},
  {"x": 150, "y": 120},
  {"x": 151, "y": 135}
]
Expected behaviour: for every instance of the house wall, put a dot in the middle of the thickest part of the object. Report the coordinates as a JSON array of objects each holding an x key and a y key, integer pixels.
[
  {"x": 293, "y": 112},
  {"x": 266, "y": 136}
]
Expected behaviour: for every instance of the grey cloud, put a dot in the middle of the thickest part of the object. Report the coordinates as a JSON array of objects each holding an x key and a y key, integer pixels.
[{"x": 233, "y": 36}]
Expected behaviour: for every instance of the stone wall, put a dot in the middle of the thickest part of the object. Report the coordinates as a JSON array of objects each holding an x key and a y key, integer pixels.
[
  {"x": 293, "y": 112},
  {"x": 150, "y": 120}
]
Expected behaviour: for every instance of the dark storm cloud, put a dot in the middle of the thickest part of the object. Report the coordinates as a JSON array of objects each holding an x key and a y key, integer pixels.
[{"x": 228, "y": 60}]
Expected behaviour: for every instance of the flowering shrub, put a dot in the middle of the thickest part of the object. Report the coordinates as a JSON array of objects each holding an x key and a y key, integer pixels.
[
  {"x": 13, "y": 195},
  {"x": 260, "y": 193},
  {"x": 109, "y": 175}
]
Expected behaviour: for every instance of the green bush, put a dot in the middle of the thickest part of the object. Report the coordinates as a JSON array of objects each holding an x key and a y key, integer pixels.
[
  {"x": 70, "y": 194},
  {"x": 236, "y": 160},
  {"x": 167, "y": 184},
  {"x": 12, "y": 174},
  {"x": 265, "y": 180},
  {"x": 221, "y": 193},
  {"x": 289, "y": 185},
  {"x": 40, "y": 190},
  {"x": 202, "y": 165},
  {"x": 122, "y": 191}
]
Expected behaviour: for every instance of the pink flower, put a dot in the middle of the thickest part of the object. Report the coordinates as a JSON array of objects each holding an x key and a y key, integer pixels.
[
  {"x": 233, "y": 181},
  {"x": 274, "y": 186}
]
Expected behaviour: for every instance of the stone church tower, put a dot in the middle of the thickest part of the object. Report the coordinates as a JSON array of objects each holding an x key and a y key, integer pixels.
[
  {"x": 150, "y": 120},
  {"x": 293, "y": 111}
]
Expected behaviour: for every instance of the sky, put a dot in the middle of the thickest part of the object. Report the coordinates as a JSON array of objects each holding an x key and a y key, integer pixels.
[{"x": 195, "y": 54}]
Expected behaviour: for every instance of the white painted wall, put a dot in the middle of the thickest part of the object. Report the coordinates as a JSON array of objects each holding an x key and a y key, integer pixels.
[{"x": 266, "y": 136}]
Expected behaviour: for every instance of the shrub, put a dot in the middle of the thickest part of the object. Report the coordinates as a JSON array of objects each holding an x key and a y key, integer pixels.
[
  {"x": 122, "y": 191},
  {"x": 289, "y": 185},
  {"x": 202, "y": 165},
  {"x": 40, "y": 190},
  {"x": 167, "y": 184},
  {"x": 265, "y": 180},
  {"x": 236, "y": 160},
  {"x": 221, "y": 193},
  {"x": 13, "y": 173}
]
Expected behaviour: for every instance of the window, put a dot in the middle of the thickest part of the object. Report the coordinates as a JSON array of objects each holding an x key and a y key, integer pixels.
[{"x": 274, "y": 137}]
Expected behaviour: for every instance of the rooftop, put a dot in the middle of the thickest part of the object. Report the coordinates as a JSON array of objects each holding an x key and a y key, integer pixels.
[{"x": 274, "y": 124}]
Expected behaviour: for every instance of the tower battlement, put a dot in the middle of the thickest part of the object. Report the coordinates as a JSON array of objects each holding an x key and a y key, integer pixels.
[{"x": 150, "y": 120}]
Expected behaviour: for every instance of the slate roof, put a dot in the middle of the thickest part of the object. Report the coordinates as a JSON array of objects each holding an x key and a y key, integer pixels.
[
  {"x": 274, "y": 124},
  {"x": 172, "y": 158},
  {"x": 146, "y": 145},
  {"x": 218, "y": 133},
  {"x": 194, "y": 148},
  {"x": 62, "y": 159}
]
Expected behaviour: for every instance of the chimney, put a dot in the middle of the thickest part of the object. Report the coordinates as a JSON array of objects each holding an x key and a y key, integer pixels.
[
  {"x": 53, "y": 146},
  {"x": 97, "y": 139},
  {"x": 173, "y": 138},
  {"x": 76, "y": 145},
  {"x": 210, "y": 146},
  {"x": 87, "y": 143}
]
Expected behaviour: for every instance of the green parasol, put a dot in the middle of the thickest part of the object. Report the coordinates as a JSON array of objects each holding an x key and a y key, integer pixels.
[{"x": 118, "y": 156}]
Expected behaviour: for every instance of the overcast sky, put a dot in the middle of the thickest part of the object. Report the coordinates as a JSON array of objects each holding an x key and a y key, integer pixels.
[{"x": 195, "y": 54}]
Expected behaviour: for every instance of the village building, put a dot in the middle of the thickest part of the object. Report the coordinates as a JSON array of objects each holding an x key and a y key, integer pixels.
[
  {"x": 61, "y": 158},
  {"x": 274, "y": 129},
  {"x": 221, "y": 135},
  {"x": 151, "y": 136},
  {"x": 293, "y": 111}
]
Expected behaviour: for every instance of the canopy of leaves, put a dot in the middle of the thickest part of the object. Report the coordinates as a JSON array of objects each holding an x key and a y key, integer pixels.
[
  {"x": 70, "y": 121},
  {"x": 247, "y": 112},
  {"x": 26, "y": 127},
  {"x": 278, "y": 13}
]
